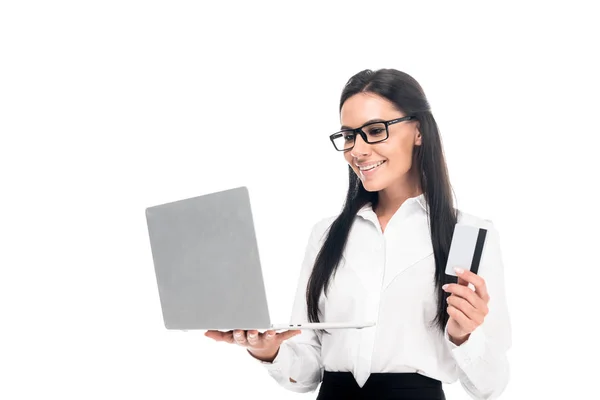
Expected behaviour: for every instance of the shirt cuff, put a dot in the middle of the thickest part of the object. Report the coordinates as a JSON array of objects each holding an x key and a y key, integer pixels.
[
  {"x": 281, "y": 360},
  {"x": 470, "y": 351}
]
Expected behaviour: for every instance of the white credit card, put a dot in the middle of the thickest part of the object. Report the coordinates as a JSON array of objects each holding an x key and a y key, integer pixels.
[{"x": 466, "y": 248}]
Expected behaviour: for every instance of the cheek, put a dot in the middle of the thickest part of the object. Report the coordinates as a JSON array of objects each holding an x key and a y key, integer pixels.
[
  {"x": 348, "y": 158},
  {"x": 400, "y": 153},
  {"x": 401, "y": 158}
]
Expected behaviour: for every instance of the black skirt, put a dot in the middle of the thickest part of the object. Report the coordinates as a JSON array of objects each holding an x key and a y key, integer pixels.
[{"x": 383, "y": 386}]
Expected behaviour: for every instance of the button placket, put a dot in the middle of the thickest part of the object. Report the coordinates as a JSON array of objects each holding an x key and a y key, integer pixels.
[{"x": 367, "y": 343}]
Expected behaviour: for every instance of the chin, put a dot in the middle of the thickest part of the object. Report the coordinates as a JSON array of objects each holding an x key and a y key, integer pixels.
[{"x": 372, "y": 186}]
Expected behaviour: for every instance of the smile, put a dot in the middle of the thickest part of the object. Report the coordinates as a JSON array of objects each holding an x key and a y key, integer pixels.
[{"x": 370, "y": 166}]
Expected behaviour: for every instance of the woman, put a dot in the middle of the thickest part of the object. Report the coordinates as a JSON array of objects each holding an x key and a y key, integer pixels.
[{"x": 383, "y": 258}]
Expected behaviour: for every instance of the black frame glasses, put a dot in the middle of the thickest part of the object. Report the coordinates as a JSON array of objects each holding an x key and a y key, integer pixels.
[{"x": 345, "y": 133}]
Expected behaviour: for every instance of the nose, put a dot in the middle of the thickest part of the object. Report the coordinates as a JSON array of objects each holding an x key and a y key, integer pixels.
[{"x": 361, "y": 148}]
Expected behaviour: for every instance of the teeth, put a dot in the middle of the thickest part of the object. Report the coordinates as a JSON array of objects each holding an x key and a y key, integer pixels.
[{"x": 368, "y": 167}]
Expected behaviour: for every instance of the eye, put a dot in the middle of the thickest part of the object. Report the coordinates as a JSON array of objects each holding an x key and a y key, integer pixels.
[
  {"x": 348, "y": 136},
  {"x": 376, "y": 131}
]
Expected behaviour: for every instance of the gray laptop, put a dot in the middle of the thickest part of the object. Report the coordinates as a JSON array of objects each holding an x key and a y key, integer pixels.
[{"x": 207, "y": 265}]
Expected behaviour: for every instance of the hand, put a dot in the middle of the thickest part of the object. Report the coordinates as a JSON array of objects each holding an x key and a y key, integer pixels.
[
  {"x": 262, "y": 346},
  {"x": 467, "y": 308}
]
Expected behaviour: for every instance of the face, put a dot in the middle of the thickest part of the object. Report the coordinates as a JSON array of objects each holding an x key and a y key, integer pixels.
[{"x": 396, "y": 152}]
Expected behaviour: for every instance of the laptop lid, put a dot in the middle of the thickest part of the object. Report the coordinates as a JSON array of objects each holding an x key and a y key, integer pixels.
[{"x": 207, "y": 263}]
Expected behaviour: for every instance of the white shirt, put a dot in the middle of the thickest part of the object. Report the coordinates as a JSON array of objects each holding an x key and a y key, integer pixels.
[{"x": 389, "y": 278}]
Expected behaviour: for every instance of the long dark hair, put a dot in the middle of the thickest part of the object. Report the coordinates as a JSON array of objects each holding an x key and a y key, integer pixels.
[{"x": 408, "y": 96}]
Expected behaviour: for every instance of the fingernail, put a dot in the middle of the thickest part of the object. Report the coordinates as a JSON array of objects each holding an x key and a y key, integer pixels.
[
  {"x": 459, "y": 270},
  {"x": 238, "y": 334},
  {"x": 445, "y": 287},
  {"x": 251, "y": 336}
]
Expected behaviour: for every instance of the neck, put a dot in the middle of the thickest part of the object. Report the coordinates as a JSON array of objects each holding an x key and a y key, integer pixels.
[{"x": 391, "y": 198}]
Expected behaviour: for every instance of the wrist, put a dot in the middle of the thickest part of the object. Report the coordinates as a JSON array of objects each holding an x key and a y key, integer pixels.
[
  {"x": 264, "y": 357},
  {"x": 459, "y": 340}
]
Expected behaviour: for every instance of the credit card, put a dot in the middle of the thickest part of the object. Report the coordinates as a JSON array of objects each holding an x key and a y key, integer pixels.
[{"x": 466, "y": 248}]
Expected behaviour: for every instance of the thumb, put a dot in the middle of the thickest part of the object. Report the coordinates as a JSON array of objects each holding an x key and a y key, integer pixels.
[{"x": 288, "y": 334}]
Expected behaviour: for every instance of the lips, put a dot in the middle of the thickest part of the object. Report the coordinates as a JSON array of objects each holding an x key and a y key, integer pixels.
[
  {"x": 369, "y": 170},
  {"x": 370, "y": 166}
]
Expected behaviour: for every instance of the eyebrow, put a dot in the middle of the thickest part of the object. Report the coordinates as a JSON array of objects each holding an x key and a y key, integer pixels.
[{"x": 343, "y": 127}]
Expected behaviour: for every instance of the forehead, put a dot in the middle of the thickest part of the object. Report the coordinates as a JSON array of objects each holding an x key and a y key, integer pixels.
[{"x": 364, "y": 107}]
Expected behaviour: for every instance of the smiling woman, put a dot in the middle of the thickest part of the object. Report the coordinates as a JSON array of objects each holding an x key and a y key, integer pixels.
[
  {"x": 383, "y": 258},
  {"x": 389, "y": 162}
]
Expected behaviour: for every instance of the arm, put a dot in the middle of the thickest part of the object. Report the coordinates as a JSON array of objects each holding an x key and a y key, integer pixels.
[
  {"x": 482, "y": 359},
  {"x": 297, "y": 365}
]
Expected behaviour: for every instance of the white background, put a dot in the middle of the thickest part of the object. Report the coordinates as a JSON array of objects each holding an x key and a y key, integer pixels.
[{"x": 109, "y": 107}]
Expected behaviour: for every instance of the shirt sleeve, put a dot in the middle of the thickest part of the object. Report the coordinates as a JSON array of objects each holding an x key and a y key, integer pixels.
[
  {"x": 482, "y": 359},
  {"x": 297, "y": 366}
]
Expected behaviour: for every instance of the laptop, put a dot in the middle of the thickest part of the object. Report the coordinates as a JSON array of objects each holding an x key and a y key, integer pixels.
[{"x": 207, "y": 265}]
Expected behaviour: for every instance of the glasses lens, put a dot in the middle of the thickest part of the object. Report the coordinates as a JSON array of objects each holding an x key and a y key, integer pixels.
[
  {"x": 375, "y": 132},
  {"x": 343, "y": 140}
]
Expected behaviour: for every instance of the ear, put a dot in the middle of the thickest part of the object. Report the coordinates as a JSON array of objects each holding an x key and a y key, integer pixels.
[{"x": 418, "y": 138}]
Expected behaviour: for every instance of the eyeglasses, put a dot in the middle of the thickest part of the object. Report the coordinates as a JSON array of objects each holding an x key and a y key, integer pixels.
[{"x": 373, "y": 132}]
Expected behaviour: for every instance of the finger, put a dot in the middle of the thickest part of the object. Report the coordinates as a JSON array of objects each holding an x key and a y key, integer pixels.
[
  {"x": 228, "y": 337},
  {"x": 465, "y": 323},
  {"x": 466, "y": 308},
  {"x": 269, "y": 336},
  {"x": 215, "y": 335},
  {"x": 477, "y": 281},
  {"x": 288, "y": 334},
  {"x": 253, "y": 337},
  {"x": 239, "y": 337},
  {"x": 467, "y": 294},
  {"x": 459, "y": 290},
  {"x": 218, "y": 335}
]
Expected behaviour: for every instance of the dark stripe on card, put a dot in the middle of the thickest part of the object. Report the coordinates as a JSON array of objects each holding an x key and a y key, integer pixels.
[{"x": 478, "y": 250}]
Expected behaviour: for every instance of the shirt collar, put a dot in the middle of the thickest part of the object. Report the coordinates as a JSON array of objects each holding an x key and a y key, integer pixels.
[{"x": 367, "y": 209}]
